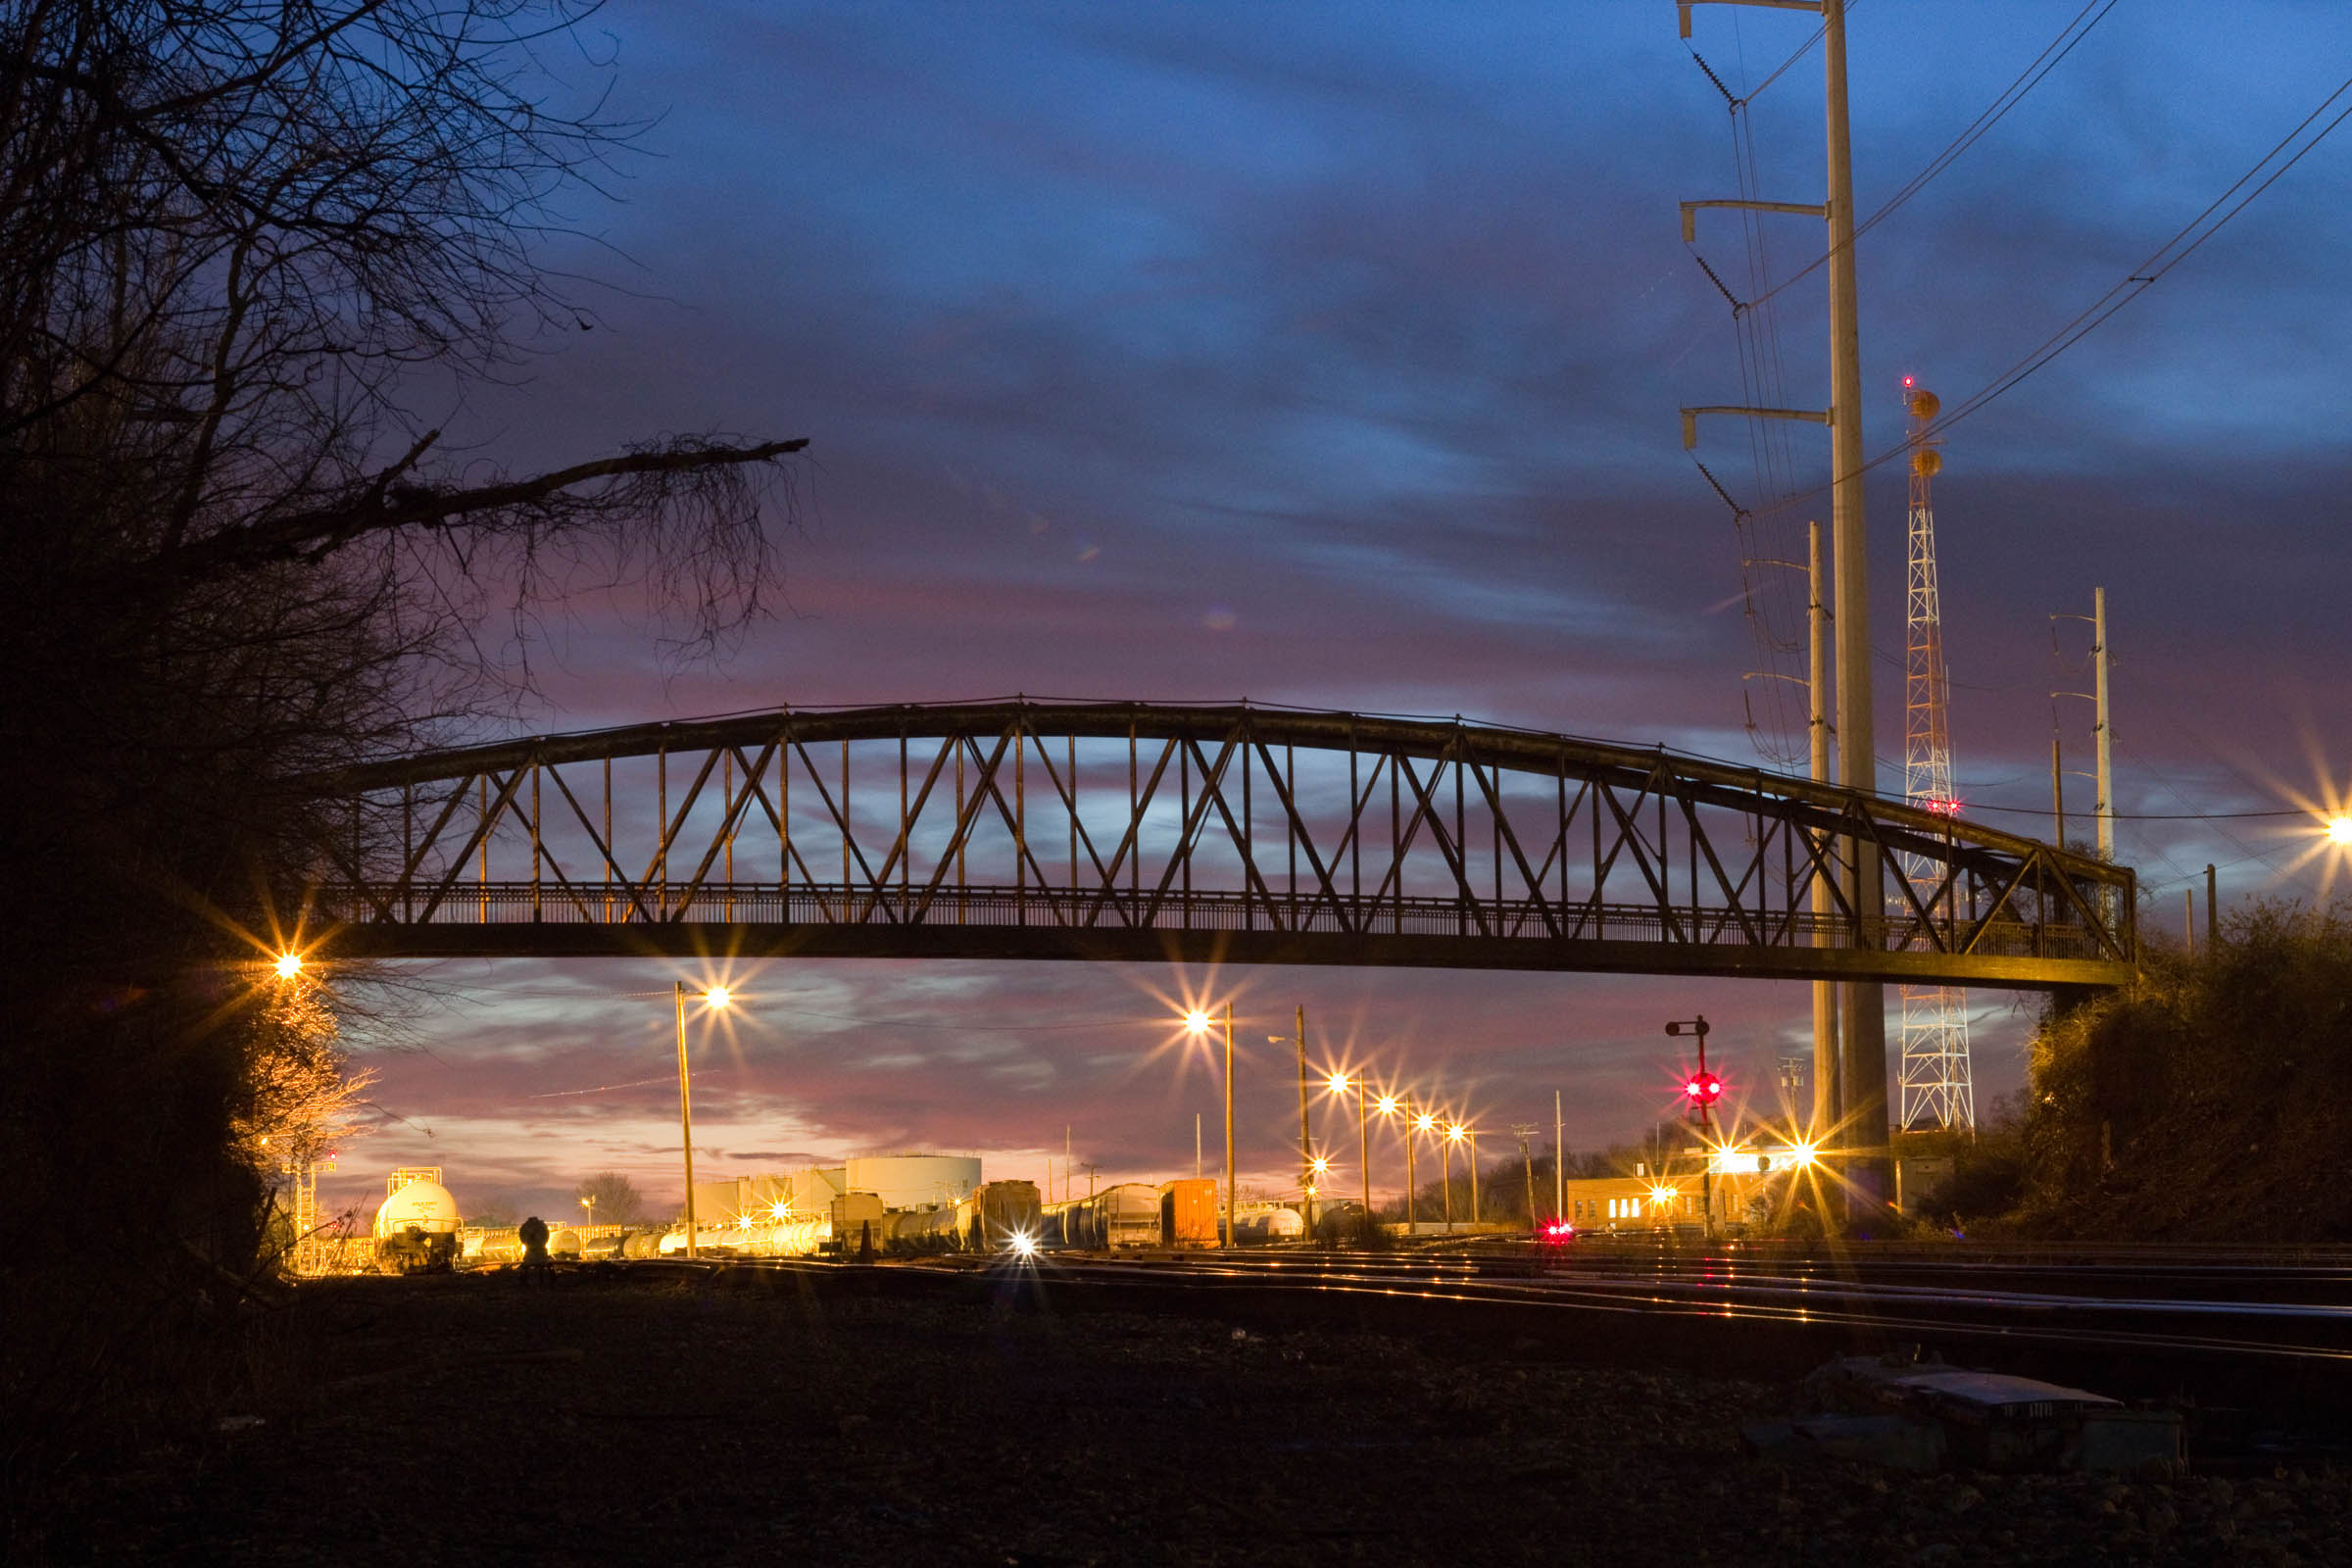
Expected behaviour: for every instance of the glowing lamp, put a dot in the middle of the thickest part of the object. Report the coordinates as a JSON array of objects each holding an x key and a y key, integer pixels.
[
  {"x": 2339, "y": 830},
  {"x": 289, "y": 965}
]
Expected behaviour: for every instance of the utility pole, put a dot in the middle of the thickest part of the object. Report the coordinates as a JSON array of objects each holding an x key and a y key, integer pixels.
[
  {"x": 2213, "y": 931},
  {"x": 1195, "y": 1145},
  {"x": 1523, "y": 1131},
  {"x": 1559, "y": 1159},
  {"x": 1862, "y": 1081},
  {"x": 2057, "y": 787},
  {"x": 1828, "y": 1103},
  {"x": 1863, "y": 1017},
  {"x": 2104, "y": 806}
]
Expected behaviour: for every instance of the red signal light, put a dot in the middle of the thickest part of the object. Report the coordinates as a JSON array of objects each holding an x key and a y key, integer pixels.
[
  {"x": 1703, "y": 1088},
  {"x": 1557, "y": 1232}
]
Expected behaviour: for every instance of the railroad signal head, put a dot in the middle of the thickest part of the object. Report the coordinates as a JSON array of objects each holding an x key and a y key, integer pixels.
[
  {"x": 1702, "y": 1089},
  {"x": 1557, "y": 1233}
]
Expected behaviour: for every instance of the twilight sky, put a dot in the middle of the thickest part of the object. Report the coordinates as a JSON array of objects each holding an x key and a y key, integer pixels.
[{"x": 1329, "y": 355}]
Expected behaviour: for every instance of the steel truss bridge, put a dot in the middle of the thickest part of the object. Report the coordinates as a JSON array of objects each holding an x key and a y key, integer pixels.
[{"x": 1148, "y": 832}]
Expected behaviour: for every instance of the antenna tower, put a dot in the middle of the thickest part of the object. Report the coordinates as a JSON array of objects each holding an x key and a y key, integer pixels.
[{"x": 1936, "y": 1090}]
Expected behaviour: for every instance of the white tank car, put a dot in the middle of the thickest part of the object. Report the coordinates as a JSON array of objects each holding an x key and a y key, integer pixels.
[
  {"x": 1268, "y": 1225},
  {"x": 415, "y": 1226}
]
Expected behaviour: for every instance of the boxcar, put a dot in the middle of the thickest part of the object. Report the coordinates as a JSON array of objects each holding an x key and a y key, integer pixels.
[{"x": 1188, "y": 1213}]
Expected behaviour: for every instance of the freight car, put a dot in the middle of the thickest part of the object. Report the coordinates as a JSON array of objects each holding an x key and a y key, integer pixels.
[
  {"x": 1124, "y": 1215},
  {"x": 416, "y": 1228},
  {"x": 990, "y": 1217},
  {"x": 1268, "y": 1225},
  {"x": 1188, "y": 1213}
]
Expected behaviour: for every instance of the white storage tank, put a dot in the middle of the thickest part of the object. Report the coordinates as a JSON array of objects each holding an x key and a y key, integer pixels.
[{"x": 915, "y": 1181}]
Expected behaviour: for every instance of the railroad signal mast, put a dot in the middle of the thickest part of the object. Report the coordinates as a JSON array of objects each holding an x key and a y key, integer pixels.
[
  {"x": 1700, "y": 1091},
  {"x": 1934, "y": 1079}
]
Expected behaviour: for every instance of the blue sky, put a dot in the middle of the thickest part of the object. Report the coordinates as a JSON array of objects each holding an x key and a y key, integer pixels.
[{"x": 1329, "y": 355}]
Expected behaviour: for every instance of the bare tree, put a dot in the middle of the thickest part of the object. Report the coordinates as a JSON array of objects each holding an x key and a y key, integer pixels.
[
  {"x": 616, "y": 1198},
  {"x": 237, "y": 238}
]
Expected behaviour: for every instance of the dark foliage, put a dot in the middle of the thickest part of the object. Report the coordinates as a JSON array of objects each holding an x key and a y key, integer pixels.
[
  {"x": 2205, "y": 1101},
  {"x": 231, "y": 233}
]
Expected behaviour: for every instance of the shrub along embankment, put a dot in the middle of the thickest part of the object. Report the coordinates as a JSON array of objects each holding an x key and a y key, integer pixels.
[{"x": 2211, "y": 1101}]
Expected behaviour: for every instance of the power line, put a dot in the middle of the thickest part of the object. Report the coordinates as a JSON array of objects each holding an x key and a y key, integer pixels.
[{"x": 2074, "y": 32}]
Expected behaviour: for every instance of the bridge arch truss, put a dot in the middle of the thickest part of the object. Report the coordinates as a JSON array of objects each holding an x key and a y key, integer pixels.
[{"x": 1153, "y": 832}]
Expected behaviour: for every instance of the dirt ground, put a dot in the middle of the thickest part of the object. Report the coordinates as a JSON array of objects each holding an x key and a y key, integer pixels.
[{"x": 754, "y": 1418}]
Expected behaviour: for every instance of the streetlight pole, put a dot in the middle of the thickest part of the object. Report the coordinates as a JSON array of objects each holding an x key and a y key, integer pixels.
[
  {"x": 1473, "y": 1137},
  {"x": 1454, "y": 1136},
  {"x": 715, "y": 996},
  {"x": 685, "y": 1115},
  {"x": 1418, "y": 1123},
  {"x": 1231, "y": 1237},
  {"x": 1363, "y": 1144},
  {"x": 1338, "y": 1082},
  {"x": 1307, "y": 1142}
]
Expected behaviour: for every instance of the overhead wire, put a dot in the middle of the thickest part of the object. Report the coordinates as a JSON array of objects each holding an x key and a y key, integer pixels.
[
  {"x": 2073, "y": 34},
  {"x": 2172, "y": 252},
  {"x": 1763, "y": 380}
]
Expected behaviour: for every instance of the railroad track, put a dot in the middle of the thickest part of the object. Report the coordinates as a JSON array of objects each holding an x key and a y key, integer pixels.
[{"x": 2269, "y": 1320}]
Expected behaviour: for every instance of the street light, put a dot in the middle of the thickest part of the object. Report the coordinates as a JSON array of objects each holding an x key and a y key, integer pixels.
[
  {"x": 1389, "y": 1105},
  {"x": 715, "y": 996},
  {"x": 1459, "y": 1134},
  {"x": 1425, "y": 1125},
  {"x": 1454, "y": 1136},
  {"x": 2339, "y": 830},
  {"x": 1197, "y": 1023},
  {"x": 289, "y": 965},
  {"x": 1337, "y": 1082},
  {"x": 588, "y": 1203}
]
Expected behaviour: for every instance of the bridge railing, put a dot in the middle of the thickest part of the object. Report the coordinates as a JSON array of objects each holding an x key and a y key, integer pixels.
[{"x": 819, "y": 905}]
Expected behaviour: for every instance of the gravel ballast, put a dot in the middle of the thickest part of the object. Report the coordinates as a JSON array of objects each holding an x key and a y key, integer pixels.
[{"x": 861, "y": 1418}]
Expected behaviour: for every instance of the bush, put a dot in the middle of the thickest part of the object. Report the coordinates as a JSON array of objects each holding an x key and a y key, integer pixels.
[{"x": 2204, "y": 1102}]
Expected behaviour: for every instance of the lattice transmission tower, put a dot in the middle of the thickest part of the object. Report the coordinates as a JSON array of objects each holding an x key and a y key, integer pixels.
[{"x": 1934, "y": 1089}]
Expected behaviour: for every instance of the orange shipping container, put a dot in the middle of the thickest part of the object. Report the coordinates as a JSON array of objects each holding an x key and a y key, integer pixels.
[{"x": 1188, "y": 1213}]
